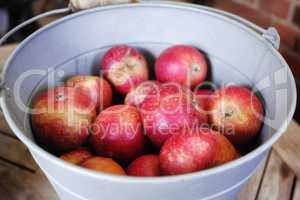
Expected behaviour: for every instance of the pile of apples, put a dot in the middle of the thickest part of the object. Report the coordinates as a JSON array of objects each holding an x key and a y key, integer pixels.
[{"x": 167, "y": 126}]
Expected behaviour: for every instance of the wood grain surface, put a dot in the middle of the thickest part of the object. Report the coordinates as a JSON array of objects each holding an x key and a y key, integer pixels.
[
  {"x": 278, "y": 180},
  {"x": 288, "y": 148}
]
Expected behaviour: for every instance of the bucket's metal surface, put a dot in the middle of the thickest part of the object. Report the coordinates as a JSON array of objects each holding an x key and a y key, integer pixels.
[{"x": 75, "y": 44}]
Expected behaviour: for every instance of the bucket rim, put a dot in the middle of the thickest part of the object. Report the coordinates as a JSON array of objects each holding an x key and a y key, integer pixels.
[{"x": 35, "y": 148}]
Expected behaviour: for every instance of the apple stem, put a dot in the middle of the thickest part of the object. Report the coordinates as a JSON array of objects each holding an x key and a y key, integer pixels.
[
  {"x": 228, "y": 113},
  {"x": 130, "y": 66},
  {"x": 59, "y": 97},
  {"x": 195, "y": 67}
]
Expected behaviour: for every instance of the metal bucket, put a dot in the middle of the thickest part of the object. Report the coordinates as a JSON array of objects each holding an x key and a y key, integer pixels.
[{"x": 238, "y": 51}]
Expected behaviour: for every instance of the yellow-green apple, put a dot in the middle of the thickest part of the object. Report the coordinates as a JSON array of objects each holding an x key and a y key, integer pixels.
[
  {"x": 118, "y": 133},
  {"x": 173, "y": 110},
  {"x": 125, "y": 67},
  {"x": 136, "y": 96},
  {"x": 98, "y": 88},
  {"x": 77, "y": 156},
  {"x": 188, "y": 152},
  {"x": 61, "y": 118},
  {"x": 236, "y": 112},
  {"x": 146, "y": 165},
  {"x": 182, "y": 64},
  {"x": 105, "y": 165}
]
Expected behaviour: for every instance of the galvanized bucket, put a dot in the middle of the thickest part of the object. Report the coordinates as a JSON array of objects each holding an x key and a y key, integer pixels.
[{"x": 238, "y": 51}]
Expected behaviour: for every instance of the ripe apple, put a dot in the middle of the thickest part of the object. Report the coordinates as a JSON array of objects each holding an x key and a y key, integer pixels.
[
  {"x": 138, "y": 94},
  {"x": 182, "y": 64},
  {"x": 105, "y": 165},
  {"x": 204, "y": 96},
  {"x": 187, "y": 152},
  {"x": 146, "y": 165},
  {"x": 237, "y": 155},
  {"x": 117, "y": 132},
  {"x": 61, "y": 118},
  {"x": 98, "y": 88},
  {"x": 225, "y": 150},
  {"x": 237, "y": 113},
  {"x": 173, "y": 110},
  {"x": 77, "y": 156},
  {"x": 125, "y": 67}
]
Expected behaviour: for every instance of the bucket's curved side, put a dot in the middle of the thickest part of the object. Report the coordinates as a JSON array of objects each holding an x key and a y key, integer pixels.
[
  {"x": 229, "y": 194},
  {"x": 206, "y": 183},
  {"x": 87, "y": 187}
]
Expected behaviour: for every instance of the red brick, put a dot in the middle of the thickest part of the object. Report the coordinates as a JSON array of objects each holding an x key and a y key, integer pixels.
[
  {"x": 279, "y": 8},
  {"x": 243, "y": 11},
  {"x": 289, "y": 35}
]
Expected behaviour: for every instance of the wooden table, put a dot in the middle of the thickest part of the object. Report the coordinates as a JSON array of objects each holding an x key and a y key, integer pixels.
[{"x": 22, "y": 179}]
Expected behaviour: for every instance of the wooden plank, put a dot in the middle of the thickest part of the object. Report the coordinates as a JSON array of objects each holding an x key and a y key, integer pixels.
[
  {"x": 296, "y": 195},
  {"x": 252, "y": 187},
  {"x": 14, "y": 151},
  {"x": 287, "y": 147},
  {"x": 278, "y": 180},
  {"x": 5, "y": 51},
  {"x": 19, "y": 184},
  {"x": 4, "y": 128}
]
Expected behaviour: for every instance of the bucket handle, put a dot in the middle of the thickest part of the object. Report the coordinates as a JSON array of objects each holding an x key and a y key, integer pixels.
[
  {"x": 271, "y": 35},
  {"x": 31, "y": 20},
  {"x": 74, "y": 5}
]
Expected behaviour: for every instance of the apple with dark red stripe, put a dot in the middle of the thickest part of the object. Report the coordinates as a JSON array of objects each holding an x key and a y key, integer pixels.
[
  {"x": 237, "y": 112},
  {"x": 61, "y": 118}
]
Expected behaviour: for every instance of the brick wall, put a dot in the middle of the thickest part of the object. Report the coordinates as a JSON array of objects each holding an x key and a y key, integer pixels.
[{"x": 281, "y": 14}]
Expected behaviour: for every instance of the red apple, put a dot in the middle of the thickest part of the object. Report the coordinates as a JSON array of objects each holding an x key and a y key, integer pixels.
[
  {"x": 225, "y": 151},
  {"x": 138, "y": 94},
  {"x": 61, "y": 118},
  {"x": 125, "y": 67},
  {"x": 98, "y": 88},
  {"x": 237, "y": 113},
  {"x": 237, "y": 155},
  {"x": 182, "y": 64},
  {"x": 117, "y": 132},
  {"x": 105, "y": 165},
  {"x": 187, "y": 152},
  {"x": 204, "y": 96},
  {"x": 146, "y": 165},
  {"x": 173, "y": 110},
  {"x": 77, "y": 156}
]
